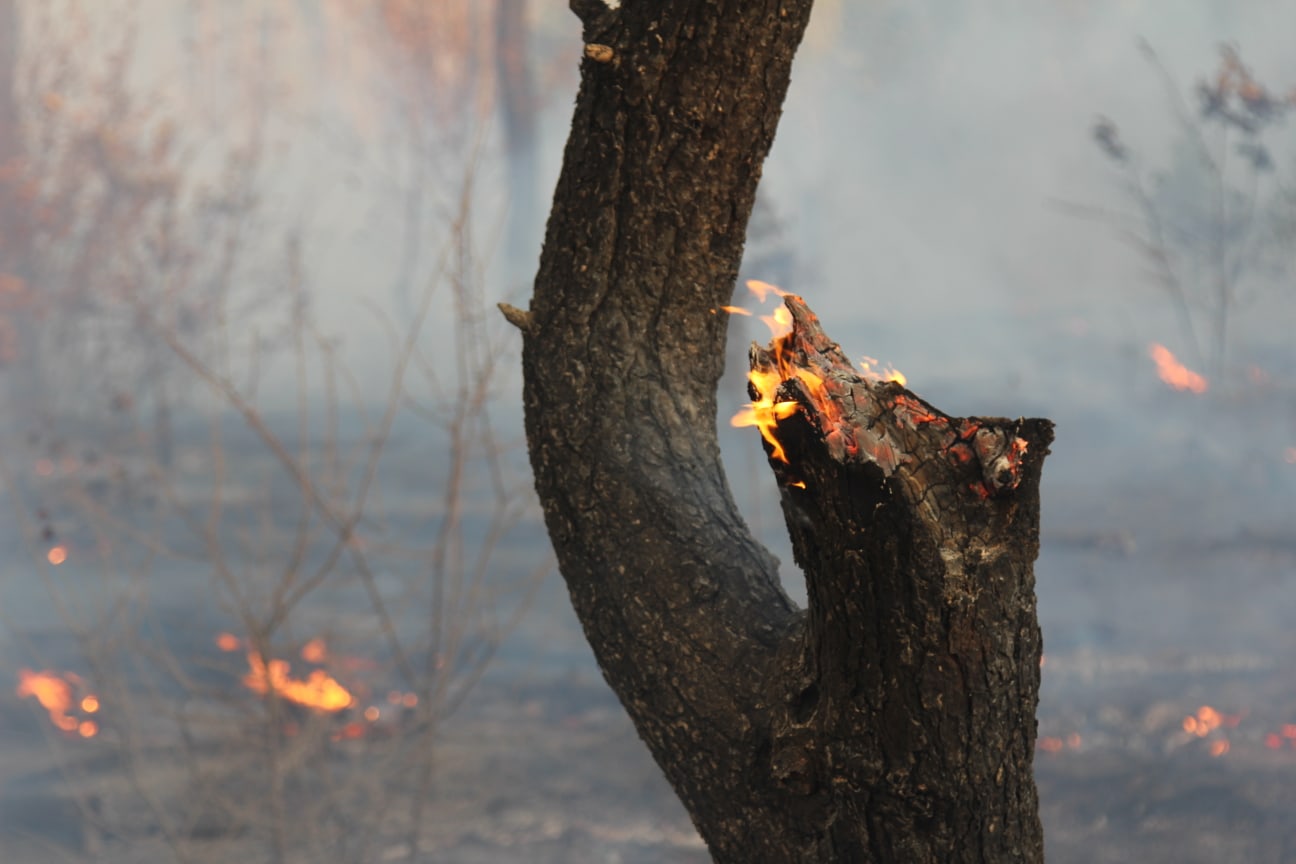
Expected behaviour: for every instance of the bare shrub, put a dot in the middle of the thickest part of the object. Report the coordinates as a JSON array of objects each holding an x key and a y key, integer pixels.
[{"x": 276, "y": 609}]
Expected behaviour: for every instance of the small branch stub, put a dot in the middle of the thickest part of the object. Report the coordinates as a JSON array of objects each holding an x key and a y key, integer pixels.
[
  {"x": 599, "y": 53},
  {"x": 519, "y": 318}
]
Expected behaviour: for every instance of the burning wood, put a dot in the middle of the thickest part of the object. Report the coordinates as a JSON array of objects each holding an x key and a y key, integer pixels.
[
  {"x": 352, "y": 716},
  {"x": 864, "y": 414},
  {"x": 916, "y": 532}
]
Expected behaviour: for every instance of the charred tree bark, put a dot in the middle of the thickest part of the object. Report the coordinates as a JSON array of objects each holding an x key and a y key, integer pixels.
[{"x": 892, "y": 721}]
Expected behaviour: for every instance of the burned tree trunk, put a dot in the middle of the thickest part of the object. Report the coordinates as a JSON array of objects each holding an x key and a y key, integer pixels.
[{"x": 892, "y": 721}]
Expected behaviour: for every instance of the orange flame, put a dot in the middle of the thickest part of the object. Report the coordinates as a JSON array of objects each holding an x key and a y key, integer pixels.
[
  {"x": 767, "y": 409},
  {"x": 1174, "y": 373},
  {"x": 890, "y": 373},
  {"x": 780, "y": 323},
  {"x": 57, "y": 555},
  {"x": 765, "y": 413},
  {"x": 319, "y": 691},
  {"x": 764, "y": 289},
  {"x": 55, "y": 695}
]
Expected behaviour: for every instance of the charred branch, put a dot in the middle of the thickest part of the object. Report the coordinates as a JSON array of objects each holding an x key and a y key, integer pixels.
[{"x": 917, "y": 533}]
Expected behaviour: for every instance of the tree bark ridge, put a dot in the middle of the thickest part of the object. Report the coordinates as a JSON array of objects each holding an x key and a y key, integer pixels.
[
  {"x": 913, "y": 707},
  {"x": 858, "y": 730}
]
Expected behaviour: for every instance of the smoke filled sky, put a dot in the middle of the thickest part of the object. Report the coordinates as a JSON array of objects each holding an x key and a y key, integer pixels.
[
  {"x": 926, "y": 192},
  {"x": 915, "y": 177},
  {"x": 935, "y": 192}
]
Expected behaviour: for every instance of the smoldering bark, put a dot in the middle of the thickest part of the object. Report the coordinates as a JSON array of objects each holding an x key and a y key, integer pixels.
[
  {"x": 893, "y": 720},
  {"x": 919, "y": 667}
]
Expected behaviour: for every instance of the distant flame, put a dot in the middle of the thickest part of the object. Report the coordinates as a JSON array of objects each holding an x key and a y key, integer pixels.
[
  {"x": 1053, "y": 744},
  {"x": 315, "y": 651},
  {"x": 57, "y": 555},
  {"x": 1204, "y": 722},
  {"x": 55, "y": 693},
  {"x": 319, "y": 691},
  {"x": 1174, "y": 373}
]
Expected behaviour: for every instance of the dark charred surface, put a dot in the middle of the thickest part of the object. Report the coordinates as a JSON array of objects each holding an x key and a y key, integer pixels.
[{"x": 895, "y": 720}]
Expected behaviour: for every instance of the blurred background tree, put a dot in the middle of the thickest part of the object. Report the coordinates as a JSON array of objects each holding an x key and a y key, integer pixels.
[{"x": 1214, "y": 224}]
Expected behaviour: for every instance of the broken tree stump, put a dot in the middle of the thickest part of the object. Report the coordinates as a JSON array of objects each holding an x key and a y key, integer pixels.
[{"x": 910, "y": 700}]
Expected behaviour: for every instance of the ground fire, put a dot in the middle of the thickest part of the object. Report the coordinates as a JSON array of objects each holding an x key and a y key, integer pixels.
[
  {"x": 64, "y": 697},
  {"x": 318, "y": 691},
  {"x": 321, "y": 693},
  {"x": 1174, "y": 373}
]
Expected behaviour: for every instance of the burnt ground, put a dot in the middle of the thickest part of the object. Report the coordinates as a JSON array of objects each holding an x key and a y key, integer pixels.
[{"x": 1166, "y": 587}]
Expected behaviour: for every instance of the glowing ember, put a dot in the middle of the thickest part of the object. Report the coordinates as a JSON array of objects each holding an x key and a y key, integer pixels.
[
  {"x": 1204, "y": 722},
  {"x": 228, "y": 642},
  {"x": 1052, "y": 744},
  {"x": 319, "y": 691},
  {"x": 56, "y": 694},
  {"x": 736, "y": 310},
  {"x": 57, "y": 555},
  {"x": 349, "y": 731},
  {"x": 1174, "y": 373},
  {"x": 314, "y": 651}
]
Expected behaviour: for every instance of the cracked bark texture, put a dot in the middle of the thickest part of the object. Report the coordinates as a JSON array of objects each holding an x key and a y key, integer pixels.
[{"x": 894, "y": 719}]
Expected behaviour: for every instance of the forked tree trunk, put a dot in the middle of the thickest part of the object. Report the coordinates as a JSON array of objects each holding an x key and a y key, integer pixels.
[{"x": 892, "y": 721}]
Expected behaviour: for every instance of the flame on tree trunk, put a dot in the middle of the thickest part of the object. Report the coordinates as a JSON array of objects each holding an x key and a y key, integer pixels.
[{"x": 892, "y": 720}]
